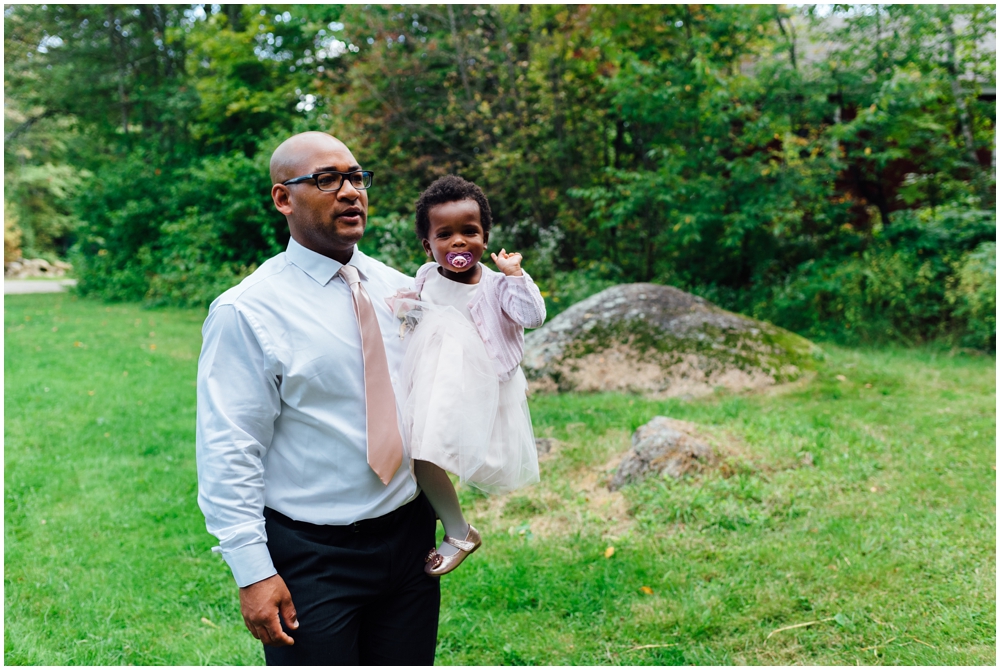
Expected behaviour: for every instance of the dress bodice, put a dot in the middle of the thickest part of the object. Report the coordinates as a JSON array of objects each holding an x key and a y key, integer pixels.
[{"x": 439, "y": 290}]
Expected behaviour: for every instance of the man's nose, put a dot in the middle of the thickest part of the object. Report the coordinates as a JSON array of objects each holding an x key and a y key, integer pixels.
[{"x": 347, "y": 191}]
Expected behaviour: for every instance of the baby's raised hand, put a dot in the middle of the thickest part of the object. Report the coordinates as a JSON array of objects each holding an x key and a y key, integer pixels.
[{"x": 509, "y": 264}]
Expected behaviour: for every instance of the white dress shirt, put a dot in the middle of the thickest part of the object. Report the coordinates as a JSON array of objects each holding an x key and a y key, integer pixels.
[{"x": 281, "y": 404}]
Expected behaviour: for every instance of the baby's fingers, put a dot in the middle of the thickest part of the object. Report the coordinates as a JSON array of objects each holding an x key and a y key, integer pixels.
[{"x": 495, "y": 259}]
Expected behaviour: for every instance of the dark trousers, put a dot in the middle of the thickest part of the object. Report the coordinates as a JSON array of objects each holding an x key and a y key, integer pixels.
[{"x": 360, "y": 592}]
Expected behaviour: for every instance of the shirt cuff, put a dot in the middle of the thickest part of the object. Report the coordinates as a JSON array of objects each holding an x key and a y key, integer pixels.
[
  {"x": 250, "y": 563},
  {"x": 520, "y": 279}
]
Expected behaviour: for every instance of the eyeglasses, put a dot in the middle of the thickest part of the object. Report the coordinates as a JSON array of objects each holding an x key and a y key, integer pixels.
[{"x": 333, "y": 181}]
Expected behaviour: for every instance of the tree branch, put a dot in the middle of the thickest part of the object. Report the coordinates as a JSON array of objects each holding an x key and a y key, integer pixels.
[{"x": 26, "y": 126}]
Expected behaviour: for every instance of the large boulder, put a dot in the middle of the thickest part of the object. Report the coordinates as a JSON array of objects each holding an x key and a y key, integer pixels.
[{"x": 653, "y": 338}]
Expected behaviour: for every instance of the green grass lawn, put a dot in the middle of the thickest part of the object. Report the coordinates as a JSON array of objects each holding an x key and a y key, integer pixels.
[{"x": 886, "y": 543}]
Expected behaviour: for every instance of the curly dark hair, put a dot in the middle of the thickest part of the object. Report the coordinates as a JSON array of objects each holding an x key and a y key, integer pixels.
[{"x": 451, "y": 188}]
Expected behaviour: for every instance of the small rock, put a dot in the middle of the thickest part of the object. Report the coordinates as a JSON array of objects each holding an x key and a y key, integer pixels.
[
  {"x": 807, "y": 460},
  {"x": 661, "y": 446},
  {"x": 544, "y": 444}
]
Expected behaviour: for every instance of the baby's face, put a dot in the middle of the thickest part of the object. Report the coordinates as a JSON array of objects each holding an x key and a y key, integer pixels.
[{"x": 455, "y": 237}]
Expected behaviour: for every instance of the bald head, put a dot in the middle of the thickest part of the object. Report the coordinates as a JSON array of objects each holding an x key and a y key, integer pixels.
[
  {"x": 328, "y": 222},
  {"x": 296, "y": 155}
]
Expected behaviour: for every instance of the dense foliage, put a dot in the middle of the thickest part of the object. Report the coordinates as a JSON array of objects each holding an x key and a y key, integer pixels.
[{"x": 831, "y": 171}]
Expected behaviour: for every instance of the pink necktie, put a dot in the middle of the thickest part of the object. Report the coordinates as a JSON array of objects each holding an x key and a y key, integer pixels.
[{"x": 385, "y": 446}]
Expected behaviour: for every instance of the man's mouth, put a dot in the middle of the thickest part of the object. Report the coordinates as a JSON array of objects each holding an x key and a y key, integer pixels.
[
  {"x": 352, "y": 215},
  {"x": 459, "y": 259}
]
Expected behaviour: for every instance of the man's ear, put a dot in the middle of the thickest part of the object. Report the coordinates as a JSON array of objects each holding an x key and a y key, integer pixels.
[
  {"x": 282, "y": 198},
  {"x": 427, "y": 247}
]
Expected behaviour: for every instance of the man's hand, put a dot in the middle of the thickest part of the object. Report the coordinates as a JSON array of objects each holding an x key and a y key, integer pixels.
[
  {"x": 260, "y": 604},
  {"x": 509, "y": 264}
]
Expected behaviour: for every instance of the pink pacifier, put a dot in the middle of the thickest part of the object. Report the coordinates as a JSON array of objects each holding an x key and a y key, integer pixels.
[{"x": 459, "y": 259}]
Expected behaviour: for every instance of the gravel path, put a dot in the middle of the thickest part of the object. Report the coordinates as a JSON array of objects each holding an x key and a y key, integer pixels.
[{"x": 36, "y": 285}]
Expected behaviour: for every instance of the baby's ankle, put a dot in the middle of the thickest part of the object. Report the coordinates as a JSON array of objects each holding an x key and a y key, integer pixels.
[
  {"x": 446, "y": 549},
  {"x": 457, "y": 532}
]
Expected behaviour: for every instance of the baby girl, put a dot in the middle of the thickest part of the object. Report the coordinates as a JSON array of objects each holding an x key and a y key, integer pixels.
[{"x": 465, "y": 409}]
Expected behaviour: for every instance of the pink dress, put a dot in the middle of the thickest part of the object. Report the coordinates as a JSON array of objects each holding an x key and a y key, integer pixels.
[{"x": 457, "y": 413}]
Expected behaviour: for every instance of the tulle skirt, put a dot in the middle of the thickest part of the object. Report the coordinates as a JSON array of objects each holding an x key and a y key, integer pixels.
[{"x": 457, "y": 414}]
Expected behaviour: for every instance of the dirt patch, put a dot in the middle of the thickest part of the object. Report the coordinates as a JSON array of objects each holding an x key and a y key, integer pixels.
[
  {"x": 561, "y": 507},
  {"x": 600, "y": 508},
  {"x": 621, "y": 367},
  {"x": 616, "y": 368},
  {"x": 581, "y": 499}
]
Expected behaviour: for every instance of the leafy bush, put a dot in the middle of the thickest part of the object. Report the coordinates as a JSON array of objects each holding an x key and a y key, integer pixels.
[
  {"x": 38, "y": 196},
  {"x": 178, "y": 236},
  {"x": 565, "y": 289},
  {"x": 972, "y": 292},
  {"x": 392, "y": 239},
  {"x": 897, "y": 288},
  {"x": 11, "y": 235},
  {"x": 189, "y": 272}
]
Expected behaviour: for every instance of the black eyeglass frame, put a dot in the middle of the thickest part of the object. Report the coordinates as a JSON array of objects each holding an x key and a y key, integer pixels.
[{"x": 369, "y": 174}]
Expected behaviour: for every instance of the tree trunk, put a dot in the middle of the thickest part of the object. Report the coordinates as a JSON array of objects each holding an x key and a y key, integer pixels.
[
  {"x": 234, "y": 14},
  {"x": 650, "y": 248},
  {"x": 837, "y": 118},
  {"x": 956, "y": 90},
  {"x": 791, "y": 40},
  {"x": 459, "y": 55},
  {"x": 118, "y": 49},
  {"x": 619, "y": 142},
  {"x": 522, "y": 43}
]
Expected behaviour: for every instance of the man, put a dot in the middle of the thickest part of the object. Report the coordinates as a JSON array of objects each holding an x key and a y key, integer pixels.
[{"x": 301, "y": 472}]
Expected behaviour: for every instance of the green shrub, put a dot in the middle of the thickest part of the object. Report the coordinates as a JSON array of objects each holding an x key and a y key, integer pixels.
[
  {"x": 39, "y": 195},
  {"x": 897, "y": 287},
  {"x": 393, "y": 240},
  {"x": 972, "y": 293},
  {"x": 564, "y": 289},
  {"x": 178, "y": 235},
  {"x": 188, "y": 270}
]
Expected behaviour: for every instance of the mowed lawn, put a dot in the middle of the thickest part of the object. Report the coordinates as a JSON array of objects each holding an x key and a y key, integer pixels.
[{"x": 852, "y": 520}]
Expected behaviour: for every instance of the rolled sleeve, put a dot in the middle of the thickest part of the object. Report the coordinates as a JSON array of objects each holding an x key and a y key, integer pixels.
[{"x": 238, "y": 403}]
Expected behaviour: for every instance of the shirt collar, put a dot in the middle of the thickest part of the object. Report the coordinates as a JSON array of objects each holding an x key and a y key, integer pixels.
[{"x": 322, "y": 268}]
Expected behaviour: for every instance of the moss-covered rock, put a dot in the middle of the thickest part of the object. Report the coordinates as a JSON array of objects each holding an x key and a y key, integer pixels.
[{"x": 652, "y": 338}]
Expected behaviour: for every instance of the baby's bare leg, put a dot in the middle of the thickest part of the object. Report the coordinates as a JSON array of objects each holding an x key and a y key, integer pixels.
[{"x": 441, "y": 494}]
